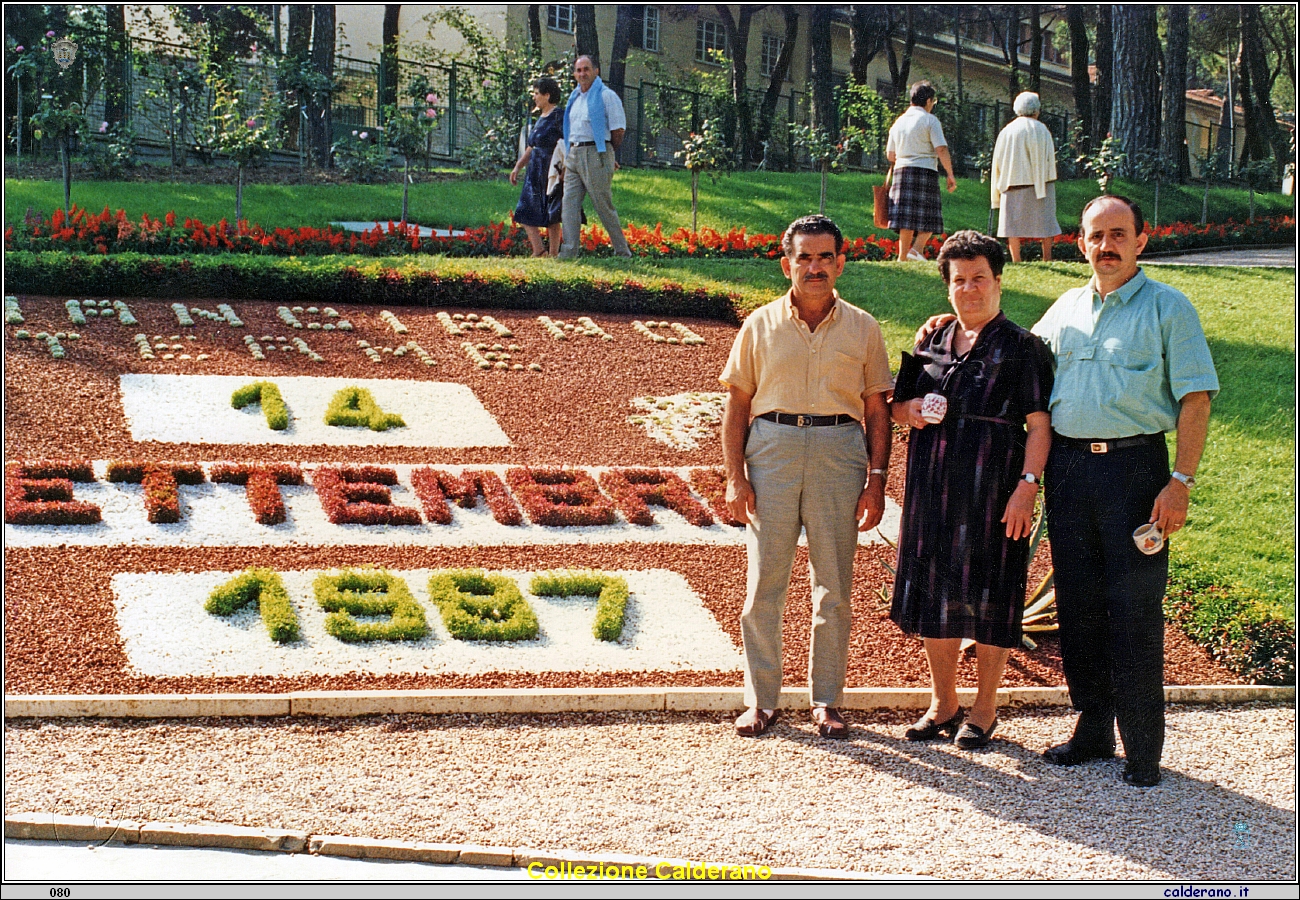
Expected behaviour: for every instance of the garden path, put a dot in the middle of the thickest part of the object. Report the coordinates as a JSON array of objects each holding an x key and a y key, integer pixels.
[{"x": 1267, "y": 257}]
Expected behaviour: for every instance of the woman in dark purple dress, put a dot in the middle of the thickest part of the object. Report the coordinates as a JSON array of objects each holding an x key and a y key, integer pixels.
[
  {"x": 537, "y": 209},
  {"x": 972, "y": 479}
]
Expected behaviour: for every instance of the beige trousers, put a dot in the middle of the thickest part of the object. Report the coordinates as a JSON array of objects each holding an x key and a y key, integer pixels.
[
  {"x": 587, "y": 171},
  {"x": 805, "y": 479}
]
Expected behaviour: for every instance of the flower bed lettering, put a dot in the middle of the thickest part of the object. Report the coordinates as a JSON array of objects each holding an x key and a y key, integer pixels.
[
  {"x": 560, "y": 497},
  {"x": 611, "y": 590},
  {"x": 263, "y": 587},
  {"x": 635, "y": 490},
  {"x": 369, "y": 593},
  {"x": 268, "y": 395},
  {"x": 160, "y": 481},
  {"x": 40, "y": 493},
  {"x": 434, "y": 486},
  {"x": 356, "y": 406},
  {"x": 476, "y": 606},
  {"x": 261, "y": 486},
  {"x": 358, "y": 495}
]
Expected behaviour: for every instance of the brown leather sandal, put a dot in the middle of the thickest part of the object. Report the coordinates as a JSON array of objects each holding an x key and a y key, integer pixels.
[{"x": 754, "y": 721}]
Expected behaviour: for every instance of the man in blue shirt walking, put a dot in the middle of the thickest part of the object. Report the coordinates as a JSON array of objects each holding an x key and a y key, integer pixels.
[{"x": 1131, "y": 364}]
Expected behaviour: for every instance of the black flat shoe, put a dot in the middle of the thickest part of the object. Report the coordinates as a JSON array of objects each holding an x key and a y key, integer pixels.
[
  {"x": 972, "y": 737},
  {"x": 927, "y": 729},
  {"x": 1074, "y": 752},
  {"x": 1141, "y": 776}
]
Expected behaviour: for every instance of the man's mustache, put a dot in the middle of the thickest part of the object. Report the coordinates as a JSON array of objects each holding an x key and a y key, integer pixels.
[{"x": 1114, "y": 256}]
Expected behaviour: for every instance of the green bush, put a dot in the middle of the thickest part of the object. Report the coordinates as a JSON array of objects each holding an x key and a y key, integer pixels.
[
  {"x": 356, "y": 406},
  {"x": 477, "y": 606},
  {"x": 1236, "y": 625},
  {"x": 369, "y": 593},
  {"x": 611, "y": 590},
  {"x": 268, "y": 395},
  {"x": 335, "y": 280},
  {"x": 263, "y": 587}
]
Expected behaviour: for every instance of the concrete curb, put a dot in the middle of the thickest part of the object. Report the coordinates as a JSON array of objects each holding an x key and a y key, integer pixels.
[
  {"x": 532, "y": 701},
  {"x": 563, "y": 865}
]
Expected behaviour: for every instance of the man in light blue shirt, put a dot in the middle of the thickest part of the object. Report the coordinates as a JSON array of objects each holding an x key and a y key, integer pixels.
[
  {"x": 594, "y": 125},
  {"x": 1131, "y": 364}
]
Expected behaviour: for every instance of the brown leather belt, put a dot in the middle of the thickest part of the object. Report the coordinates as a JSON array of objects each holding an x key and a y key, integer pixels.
[
  {"x": 583, "y": 144},
  {"x": 1105, "y": 446},
  {"x": 800, "y": 420}
]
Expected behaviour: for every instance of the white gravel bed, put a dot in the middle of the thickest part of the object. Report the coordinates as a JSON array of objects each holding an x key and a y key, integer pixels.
[
  {"x": 218, "y": 515},
  {"x": 166, "y": 631},
  {"x": 195, "y": 409},
  {"x": 687, "y": 786}
]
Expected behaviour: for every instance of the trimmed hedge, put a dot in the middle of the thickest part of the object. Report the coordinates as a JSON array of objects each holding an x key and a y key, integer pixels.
[
  {"x": 323, "y": 281},
  {"x": 371, "y": 593},
  {"x": 611, "y": 607},
  {"x": 356, "y": 406},
  {"x": 1234, "y": 624},
  {"x": 263, "y": 587},
  {"x": 268, "y": 395},
  {"x": 477, "y": 606}
]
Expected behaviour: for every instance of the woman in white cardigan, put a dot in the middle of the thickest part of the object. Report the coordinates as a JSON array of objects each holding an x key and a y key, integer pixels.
[{"x": 1023, "y": 183}]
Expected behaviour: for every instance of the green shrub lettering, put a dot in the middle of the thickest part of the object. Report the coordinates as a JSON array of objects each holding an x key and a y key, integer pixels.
[
  {"x": 611, "y": 589},
  {"x": 263, "y": 587},
  {"x": 369, "y": 593},
  {"x": 477, "y": 606},
  {"x": 356, "y": 406}
]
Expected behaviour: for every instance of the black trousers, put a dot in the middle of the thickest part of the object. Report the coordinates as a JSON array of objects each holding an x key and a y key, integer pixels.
[{"x": 1108, "y": 593}]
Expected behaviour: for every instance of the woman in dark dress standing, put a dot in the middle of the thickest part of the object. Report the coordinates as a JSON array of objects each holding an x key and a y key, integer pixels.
[
  {"x": 972, "y": 479},
  {"x": 537, "y": 210}
]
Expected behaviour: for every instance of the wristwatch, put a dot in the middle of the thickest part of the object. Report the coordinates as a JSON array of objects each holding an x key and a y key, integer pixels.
[
  {"x": 880, "y": 472},
  {"x": 1188, "y": 480},
  {"x": 1032, "y": 479}
]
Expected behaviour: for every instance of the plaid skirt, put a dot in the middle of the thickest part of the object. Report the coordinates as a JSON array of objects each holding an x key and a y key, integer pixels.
[{"x": 914, "y": 200}]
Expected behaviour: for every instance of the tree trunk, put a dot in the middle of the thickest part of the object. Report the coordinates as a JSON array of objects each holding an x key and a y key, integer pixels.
[
  {"x": 1105, "y": 54},
  {"x": 322, "y": 56},
  {"x": 1012, "y": 41},
  {"x": 585, "y": 38},
  {"x": 406, "y": 190},
  {"x": 741, "y": 131},
  {"x": 1079, "y": 80},
  {"x": 899, "y": 72},
  {"x": 65, "y": 158},
  {"x": 618, "y": 55},
  {"x": 1173, "y": 132},
  {"x": 1035, "y": 48},
  {"x": 1261, "y": 119},
  {"x": 388, "y": 55},
  {"x": 819, "y": 51},
  {"x": 869, "y": 28},
  {"x": 1135, "y": 112},
  {"x": 116, "y": 59},
  {"x": 695, "y": 201},
  {"x": 1250, "y": 145},
  {"x": 535, "y": 29},
  {"x": 767, "y": 110},
  {"x": 297, "y": 46}
]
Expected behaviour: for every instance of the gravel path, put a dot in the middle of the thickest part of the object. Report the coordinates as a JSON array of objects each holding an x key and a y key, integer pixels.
[{"x": 685, "y": 785}]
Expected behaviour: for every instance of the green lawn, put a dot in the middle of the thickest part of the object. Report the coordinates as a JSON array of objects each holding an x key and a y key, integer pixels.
[{"x": 761, "y": 201}]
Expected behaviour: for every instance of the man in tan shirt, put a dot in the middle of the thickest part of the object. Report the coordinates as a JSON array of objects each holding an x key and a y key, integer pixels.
[{"x": 806, "y": 374}]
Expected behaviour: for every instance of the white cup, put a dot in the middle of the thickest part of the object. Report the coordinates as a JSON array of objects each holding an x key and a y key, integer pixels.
[
  {"x": 1149, "y": 539},
  {"x": 934, "y": 407}
]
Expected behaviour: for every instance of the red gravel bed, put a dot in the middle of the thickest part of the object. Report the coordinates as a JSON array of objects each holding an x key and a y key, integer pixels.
[
  {"x": 61, "y": 634},
  {"x": 573, "y": 412}
]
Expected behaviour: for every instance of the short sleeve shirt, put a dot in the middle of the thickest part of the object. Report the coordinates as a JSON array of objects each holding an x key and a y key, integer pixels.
[
  {"x": 789, "y": 369},
  {"x": 580, "y": 120},
  {"x": 914, "y": 137},
  {"x": 1124, "y": 362}
]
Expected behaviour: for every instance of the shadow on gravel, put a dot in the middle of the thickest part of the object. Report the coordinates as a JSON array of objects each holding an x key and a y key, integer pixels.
[{"x": 1191, "y": 828}]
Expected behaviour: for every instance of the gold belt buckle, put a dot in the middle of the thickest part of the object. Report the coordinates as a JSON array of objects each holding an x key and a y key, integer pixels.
[
  {"x": 1098, "y": 447},
  {"x": 803, "y": 421}
]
